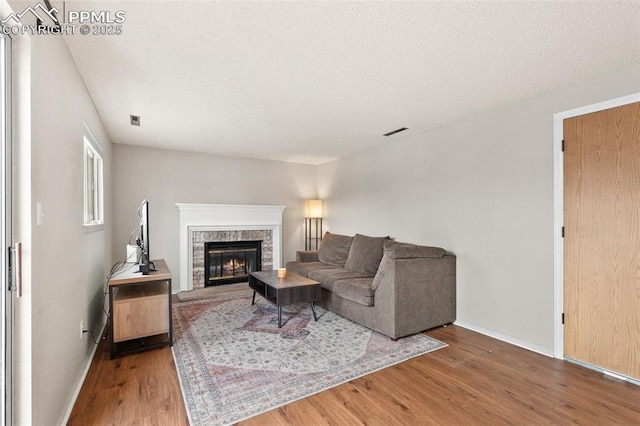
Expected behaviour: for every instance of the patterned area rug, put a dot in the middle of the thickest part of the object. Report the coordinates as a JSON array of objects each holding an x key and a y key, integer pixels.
[{"x": 234, "y": 362}]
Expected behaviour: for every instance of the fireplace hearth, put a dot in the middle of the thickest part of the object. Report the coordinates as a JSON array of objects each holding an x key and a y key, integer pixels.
[{"x": 228, "y": 262}]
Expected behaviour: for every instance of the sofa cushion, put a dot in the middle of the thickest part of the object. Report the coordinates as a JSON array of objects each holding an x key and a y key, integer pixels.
[
  {"x": 357, "y": 290},
  {"x": 307, "y": 256},
  {"x": 303, "y": 268},
  {"x": 334, "y": 248},
  {"x": 396, "y": 250},
  {"x": 365, "y": 254},
  {"x": 327, "y": 277}
]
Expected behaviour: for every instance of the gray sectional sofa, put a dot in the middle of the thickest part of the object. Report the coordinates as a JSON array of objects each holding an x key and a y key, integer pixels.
[{"x": 394, "y": 288}]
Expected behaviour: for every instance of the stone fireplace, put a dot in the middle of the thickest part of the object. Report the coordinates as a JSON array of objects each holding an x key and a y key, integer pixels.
[
  {"x": 204, "y": 224},
  {"x": 201, "y": 239}
]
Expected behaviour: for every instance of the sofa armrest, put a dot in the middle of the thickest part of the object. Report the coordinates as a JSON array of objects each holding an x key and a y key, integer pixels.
[
  {"x": 396, "y": 250},
  {"x": 426, "y": 287},
  {"x": 416, "y": 294},
  {"x": 307, "y": 256}
]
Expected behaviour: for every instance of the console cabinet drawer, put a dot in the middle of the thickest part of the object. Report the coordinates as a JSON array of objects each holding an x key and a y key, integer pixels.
[{"x": 140, "y": 317}]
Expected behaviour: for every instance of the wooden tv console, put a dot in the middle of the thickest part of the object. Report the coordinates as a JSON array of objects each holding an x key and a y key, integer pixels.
[{"x": 140, "y": 309}]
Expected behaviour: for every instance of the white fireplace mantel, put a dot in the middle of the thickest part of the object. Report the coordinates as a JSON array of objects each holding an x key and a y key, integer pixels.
[{"x": 214, "y": 217}]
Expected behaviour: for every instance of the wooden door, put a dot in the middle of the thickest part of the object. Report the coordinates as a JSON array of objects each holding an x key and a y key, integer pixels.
[{"x": 602, "y": 239}]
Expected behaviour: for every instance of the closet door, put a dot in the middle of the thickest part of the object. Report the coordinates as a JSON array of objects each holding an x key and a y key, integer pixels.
[{"x": 602, "y": 239}]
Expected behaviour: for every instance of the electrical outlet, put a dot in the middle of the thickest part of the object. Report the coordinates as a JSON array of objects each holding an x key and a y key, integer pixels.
[{"x": 81, "y": 329}]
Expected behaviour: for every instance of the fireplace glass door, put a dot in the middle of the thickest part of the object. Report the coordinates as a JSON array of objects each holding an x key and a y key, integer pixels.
[{"x": 230, "y": 262}]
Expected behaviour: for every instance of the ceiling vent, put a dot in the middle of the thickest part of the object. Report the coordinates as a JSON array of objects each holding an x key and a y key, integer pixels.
[
  {"x": 393, "y": 132},
  {"x": 135, "y": 120}
]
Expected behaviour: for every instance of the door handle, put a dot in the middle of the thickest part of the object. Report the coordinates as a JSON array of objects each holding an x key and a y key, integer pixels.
[{"x": 17, "y": 268}]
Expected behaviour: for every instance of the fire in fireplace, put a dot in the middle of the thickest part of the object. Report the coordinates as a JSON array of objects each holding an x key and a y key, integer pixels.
[{"x": 227, "y": 262}]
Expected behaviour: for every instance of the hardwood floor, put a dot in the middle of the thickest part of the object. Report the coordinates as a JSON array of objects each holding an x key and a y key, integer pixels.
[
  {"x": 476, "y": 380},
  {"x": 140, "y": 389}
]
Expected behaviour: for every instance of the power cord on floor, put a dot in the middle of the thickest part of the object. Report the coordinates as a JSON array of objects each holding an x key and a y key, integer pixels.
[{"x": 93, "y": 336}]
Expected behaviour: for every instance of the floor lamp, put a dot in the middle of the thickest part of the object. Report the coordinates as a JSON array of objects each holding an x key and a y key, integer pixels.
[{"x": 312, "y": 224}]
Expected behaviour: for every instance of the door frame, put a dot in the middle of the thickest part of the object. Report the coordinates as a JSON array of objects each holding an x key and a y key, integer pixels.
[
  {"x": 558, "y": 207},
  {"x": 6, "y": 214}
]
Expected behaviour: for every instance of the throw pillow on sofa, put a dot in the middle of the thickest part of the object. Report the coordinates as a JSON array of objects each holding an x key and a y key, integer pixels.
[
  {"x": 334, "y": 249},
  {"x": 365, "y": 254}
]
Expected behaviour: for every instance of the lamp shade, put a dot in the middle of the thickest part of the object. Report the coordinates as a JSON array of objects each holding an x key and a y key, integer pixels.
[{"x": 313, "y": 208}]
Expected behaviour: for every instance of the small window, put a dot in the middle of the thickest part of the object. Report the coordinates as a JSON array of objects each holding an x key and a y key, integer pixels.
[{"x": 93, "y": 197}]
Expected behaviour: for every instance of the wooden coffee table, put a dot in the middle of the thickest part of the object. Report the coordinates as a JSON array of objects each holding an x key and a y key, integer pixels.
[{"x": 294, "y": 288}]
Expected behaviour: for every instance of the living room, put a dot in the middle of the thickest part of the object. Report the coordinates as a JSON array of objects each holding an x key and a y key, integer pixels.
[{"x": 479, "y": 182}]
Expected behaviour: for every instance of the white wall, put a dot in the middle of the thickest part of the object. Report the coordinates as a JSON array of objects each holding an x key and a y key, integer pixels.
[
  {"x": 481, "y": 188},
  {"x": 167, "y": 177},
  {"x": 69, "y": 265}
]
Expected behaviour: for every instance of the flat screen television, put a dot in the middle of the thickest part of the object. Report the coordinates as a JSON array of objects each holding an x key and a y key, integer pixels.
[{"x": 145, "y": 264}]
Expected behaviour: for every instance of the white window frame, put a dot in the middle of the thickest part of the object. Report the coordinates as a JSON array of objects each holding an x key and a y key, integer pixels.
[{"x": 93, "y": 185}]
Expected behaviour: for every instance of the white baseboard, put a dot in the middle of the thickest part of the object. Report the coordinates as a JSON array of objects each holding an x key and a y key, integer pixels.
[
  {"x": 509, "y": 339},
  {"x": 67, "y": 413}
]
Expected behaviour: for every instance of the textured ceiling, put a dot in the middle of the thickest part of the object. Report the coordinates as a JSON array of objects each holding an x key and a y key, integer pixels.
[{"x": 312, "y": 81}]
